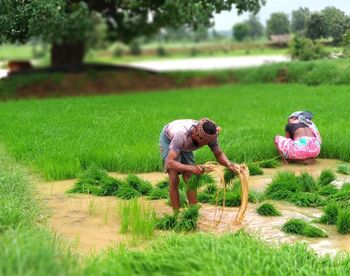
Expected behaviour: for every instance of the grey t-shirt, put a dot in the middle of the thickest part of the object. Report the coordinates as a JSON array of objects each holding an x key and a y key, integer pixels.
[{"x": 179, "y": 133}]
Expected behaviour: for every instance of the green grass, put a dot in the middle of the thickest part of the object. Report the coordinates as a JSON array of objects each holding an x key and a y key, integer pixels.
[
  {"x": 25, "y": 247},
  {"x": 301, "y": 227},
  {"x": 343, "y": 220},
  {"x": 330, "y": 215},
  {"x": 230, "y": 254},
  {"x": 268, "y": 209},
  {"x": 61, "y": 137}
]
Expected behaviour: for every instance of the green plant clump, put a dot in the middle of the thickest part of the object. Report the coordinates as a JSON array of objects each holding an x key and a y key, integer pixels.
[
  {"x": 158, "y": 193},
  {"x": 326, "y": 177},
  {"x": 196, "y": 181},
  {"x": 185, "y": 221},
  {"x": 343, "y": 220},
  {"x": 125, "y": 191},
  {"x": 330, "y": 215},
  {"x": 272, "y": 163},
  {"x": 303, "y": 228},
  {"x": 254, "y": 169},
  {"x": 142, "y": 186},
  {"x": 268, "y": 209},
  {"x": 343, "y": 169},
  {"x": 96, "y": 181}
]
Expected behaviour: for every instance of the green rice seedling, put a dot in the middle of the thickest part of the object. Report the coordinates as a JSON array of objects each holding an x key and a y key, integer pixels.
[
  {"x": 142, "y": 186},
  {"x": 343, "y": 220},
  {"x": 301, "y": 227},
  {"x": 330, "y": 213},
  {"x": 254, "y": 169},
  {"x": 272, "y": 163},
  {"x": 158, "y": 193},
  {"x": 96, "y": 181},
  {"x": 205, "y": 197},
  {"x": 343, "y": 169},
  {"x": 268, "y": 209},
  {"x": 342, "y": 195},
  {"x": 163, "y": 184},
  {"x": 328, "y": 190},
  {"x": 92, "y": 206},
  {"x": 210, "y": 189},
  {"x": 138, "y": 220},
  {"x": 166, "y": 222},
  {"x": 304, "y": 199},
  {"x": 307, "y": 182},
  {"x": 187, "y": 219},
  {"x": 283, "y": 186},
  {"x": 125, "y": 191},
  {"x": 229, "y": 175},
  {"x": 196, "y": 181},
  {"x": 326, "y": 177}
]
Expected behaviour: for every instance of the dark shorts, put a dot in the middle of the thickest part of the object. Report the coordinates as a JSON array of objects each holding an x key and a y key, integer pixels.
[{"x": 186, "y": 157}]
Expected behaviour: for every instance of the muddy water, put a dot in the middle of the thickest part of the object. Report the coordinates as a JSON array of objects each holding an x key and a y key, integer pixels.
[{"x": 91, "y": 223}]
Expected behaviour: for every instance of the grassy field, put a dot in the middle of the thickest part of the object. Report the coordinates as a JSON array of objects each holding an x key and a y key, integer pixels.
[{"x": 60, "y": 137}]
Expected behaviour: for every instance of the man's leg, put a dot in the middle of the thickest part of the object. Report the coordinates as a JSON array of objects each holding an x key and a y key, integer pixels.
[
  {"x": 174, "y": 190},
  {"x": 188, "y": 158},
  {"x": 191, "y": 194}
]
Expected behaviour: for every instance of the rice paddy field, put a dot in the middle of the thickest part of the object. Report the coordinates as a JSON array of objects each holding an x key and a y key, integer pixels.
[{"x": 58, "y": 139}]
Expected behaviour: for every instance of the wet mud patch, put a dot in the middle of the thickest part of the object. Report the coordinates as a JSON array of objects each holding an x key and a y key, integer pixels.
[{"x": 91, "y": 223}]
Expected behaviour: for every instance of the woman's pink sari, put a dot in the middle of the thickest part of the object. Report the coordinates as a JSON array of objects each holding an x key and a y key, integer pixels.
[{"x": 301, "y": 148}]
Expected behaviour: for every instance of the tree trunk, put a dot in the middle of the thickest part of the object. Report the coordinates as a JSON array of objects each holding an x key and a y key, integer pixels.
[{"x": 66, "y": 54}]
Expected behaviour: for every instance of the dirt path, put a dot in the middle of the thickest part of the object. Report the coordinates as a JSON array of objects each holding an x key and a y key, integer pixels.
[{"x": 91, "y": 223}]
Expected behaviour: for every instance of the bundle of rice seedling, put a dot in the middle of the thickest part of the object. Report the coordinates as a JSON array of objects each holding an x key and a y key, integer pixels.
[
  {"x": 254, "y": 169},
  {"x": 142, "y": 186},
  {"x": 330, "y": 214},
  {"x": 304, "y": 199},
  {"x": 328, "y": 190},
  {"x": 96, "y": 181},
  {"x": 307, "y": 183},
  {"x": 342, "y": 195},
  {"x": 283, "y": 186},
  {"x": 163, "y": 184},
  {"x": 343, "y": 169},
  {"x": 167, "y": 222},
  {"x": 187, "y": 219},
  {"x": 268, "y": 209},
  {"x": 343, "y": 220},
  {"x": 301, "y": 227},
  {"x": 158, "y": 193},
  {"x": 125, "y": 191},
  {"x": 326, "y": 177},
  {"x": 272, "y": 163},
  {"x": 196, "y": 181},
  {"x": 229, "y": 175}
]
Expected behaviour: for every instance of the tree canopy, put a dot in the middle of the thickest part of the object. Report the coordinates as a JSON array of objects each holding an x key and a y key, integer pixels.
[
  {"x": 278, "y": 24},
  {"x": 61, "y": 21}
]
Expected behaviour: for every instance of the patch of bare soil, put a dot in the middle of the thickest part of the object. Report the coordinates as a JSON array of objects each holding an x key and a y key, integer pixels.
[
  {"x": 91, "y": 223},
  {"x": 126, "y": 81}
]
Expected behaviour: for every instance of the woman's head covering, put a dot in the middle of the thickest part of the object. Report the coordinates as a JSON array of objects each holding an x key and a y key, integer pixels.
[
  {"x": 206, "y": 130},
  {"x": 303, "y": 116}
]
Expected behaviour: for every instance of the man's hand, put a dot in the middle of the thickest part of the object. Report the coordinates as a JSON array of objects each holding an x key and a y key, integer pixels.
[
  {"x": 196, "y": 169},
  {"x": 234, "y": 168}
]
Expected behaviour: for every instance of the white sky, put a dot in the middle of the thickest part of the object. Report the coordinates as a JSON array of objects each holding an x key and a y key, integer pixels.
[{"x": 226, "y": 20}]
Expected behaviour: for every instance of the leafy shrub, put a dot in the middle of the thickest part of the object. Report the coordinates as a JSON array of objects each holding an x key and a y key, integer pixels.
[
  {"x": 161, "y": 51},
  {"x": 301, "y": 227},
  {"x": 302, "y": 48},
  {"x": 267, "y": 209}
]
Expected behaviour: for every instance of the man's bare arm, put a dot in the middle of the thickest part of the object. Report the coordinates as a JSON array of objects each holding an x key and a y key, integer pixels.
[{"x": 172, "y": 164}]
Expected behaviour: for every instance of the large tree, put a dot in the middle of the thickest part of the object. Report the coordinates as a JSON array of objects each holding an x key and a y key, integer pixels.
[
  {"x": 278, "y": 24},
  {"x": 240, "y": 31},
  {"x": 66, "y": 24},
  {"x": 256, "y": 29},
  {"x": 299, "y": 20}
]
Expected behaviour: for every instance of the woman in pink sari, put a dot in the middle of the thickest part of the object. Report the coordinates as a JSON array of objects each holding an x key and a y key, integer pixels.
[{"x": 302, "y": 142}]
